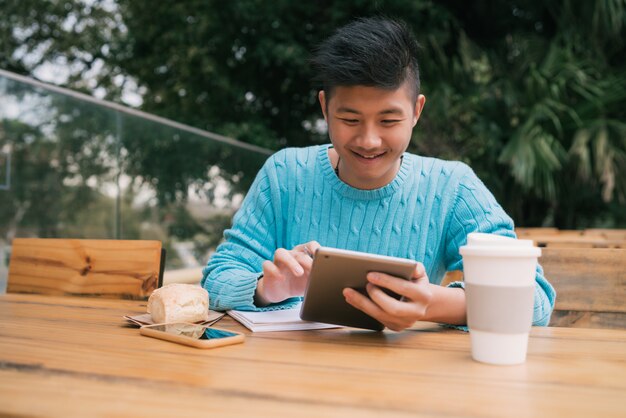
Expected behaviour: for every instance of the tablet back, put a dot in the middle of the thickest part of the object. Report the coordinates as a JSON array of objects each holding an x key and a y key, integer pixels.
[{"x": 332, "y": 271}]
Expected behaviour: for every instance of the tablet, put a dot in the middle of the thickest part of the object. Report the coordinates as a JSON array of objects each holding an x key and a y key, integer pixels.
[{"x": 332, "y": 271}]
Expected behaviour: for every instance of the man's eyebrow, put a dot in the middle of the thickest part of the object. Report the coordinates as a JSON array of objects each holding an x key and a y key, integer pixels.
[
  {"x": 347, "y": 110},
  {"x": 390, "y": 111}
]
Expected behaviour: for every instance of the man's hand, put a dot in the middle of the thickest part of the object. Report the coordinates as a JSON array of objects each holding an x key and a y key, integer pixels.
[
  {"x": 287, "y": 275},
  {"x": 421, "y": 301}
]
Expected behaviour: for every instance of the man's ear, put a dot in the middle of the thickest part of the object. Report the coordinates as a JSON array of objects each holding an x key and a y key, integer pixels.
[
  {"x": 419, "y": 106},
  {"x": 322, "y": 98}
]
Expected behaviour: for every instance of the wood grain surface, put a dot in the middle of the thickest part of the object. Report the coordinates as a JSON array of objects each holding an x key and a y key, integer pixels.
[
  {"x": 67, "y": 357},
  {"x": 588, "y": 238},
  {"x": 590, "y": 286},
  {"x": 109, "y": 268}
]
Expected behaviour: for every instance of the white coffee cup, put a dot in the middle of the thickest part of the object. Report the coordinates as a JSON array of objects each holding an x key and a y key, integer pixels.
[{"x": 499, "y": 274}]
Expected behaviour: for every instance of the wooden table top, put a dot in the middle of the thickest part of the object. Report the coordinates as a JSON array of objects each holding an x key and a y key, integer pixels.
[{"x": 77, "y": 357}]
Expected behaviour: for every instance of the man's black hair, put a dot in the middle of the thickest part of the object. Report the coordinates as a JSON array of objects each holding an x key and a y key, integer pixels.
[{"x": 373, "y": 52}]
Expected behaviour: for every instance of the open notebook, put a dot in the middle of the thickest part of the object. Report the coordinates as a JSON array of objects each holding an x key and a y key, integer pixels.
[{"x": 283, "y": 320}]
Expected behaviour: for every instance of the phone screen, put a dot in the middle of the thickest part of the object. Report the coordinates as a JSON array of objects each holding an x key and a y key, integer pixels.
[{"x": 199, "y": 332}]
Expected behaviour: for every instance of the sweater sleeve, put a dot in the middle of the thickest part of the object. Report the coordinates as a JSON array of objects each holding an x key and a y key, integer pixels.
[
  {"x": 475, "y": 209},
  {"x": 232, "y": 273}
]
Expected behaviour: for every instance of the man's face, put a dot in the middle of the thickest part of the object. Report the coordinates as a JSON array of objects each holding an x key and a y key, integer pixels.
[{"x": 370, "y": 128}]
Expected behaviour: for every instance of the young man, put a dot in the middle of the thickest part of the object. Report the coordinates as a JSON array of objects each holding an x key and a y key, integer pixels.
[{"x": 364, "y": 193}]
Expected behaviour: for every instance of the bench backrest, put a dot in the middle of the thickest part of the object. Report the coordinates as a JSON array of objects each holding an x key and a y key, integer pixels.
[
  {"x": 129, "y": 269},
  {"x": 590, "y": 285}
]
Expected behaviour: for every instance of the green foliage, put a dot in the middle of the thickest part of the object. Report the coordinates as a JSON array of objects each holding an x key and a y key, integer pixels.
[
  {"x": 531, "y": 94},
  {"x": 538, "y": 107},
  {"x": 238, "y": 68}
]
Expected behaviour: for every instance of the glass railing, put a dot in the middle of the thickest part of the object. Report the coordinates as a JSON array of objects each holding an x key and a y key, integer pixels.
[{"x": 72, "y": 166}]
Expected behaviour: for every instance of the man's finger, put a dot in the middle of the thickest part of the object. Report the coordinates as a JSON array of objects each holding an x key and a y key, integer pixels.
[
  {"x": 419, "y": 272},
  {"x": 363, "y": 303},
  {"x": 305, "y": 261},
  {"x": 284, "y": 258},
  {"x": 270, "y": 270},
  {"x": 312, "y": 247},
  {"x": 398, "y": 285},
  {"x": 390, "y": 306}
]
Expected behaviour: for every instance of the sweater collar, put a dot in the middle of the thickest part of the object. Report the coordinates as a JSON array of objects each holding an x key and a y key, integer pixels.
[{"x": 351, "y": 192}]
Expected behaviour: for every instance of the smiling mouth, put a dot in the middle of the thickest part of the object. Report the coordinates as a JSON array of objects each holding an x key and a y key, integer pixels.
[{"x": 369, "y": 157}]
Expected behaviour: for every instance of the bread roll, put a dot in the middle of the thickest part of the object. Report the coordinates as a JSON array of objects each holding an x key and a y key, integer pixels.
[{"x": 179, "y": 302}]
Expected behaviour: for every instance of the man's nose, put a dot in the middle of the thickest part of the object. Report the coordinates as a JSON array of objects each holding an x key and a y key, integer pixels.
[{"x": 369, "y": 137}]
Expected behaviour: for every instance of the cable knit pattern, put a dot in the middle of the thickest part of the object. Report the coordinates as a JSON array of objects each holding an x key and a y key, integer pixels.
[{"x": 424, "y": 214}]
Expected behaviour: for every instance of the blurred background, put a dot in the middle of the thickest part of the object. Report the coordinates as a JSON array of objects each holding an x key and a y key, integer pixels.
[{"x": 172, "y": 106}]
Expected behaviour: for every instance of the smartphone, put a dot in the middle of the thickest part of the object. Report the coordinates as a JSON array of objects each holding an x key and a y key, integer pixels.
[
  {"x": 194, "y": 335},
  {"x": 335, "y": 269}
]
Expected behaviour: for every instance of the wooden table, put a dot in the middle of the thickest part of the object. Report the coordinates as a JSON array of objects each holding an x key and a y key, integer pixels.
[{"x": 77, "y": 357}]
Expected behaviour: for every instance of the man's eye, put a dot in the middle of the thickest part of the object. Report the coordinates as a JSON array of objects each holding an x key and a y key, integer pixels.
[
  {"x": 350, "y": 121},
  {"x": 390, "y": 121}
]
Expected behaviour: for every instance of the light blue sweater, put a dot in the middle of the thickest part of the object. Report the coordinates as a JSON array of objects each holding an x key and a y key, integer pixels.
[{"x": 424, "y": 214}]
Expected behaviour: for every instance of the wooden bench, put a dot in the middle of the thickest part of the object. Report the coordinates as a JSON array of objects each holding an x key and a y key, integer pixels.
[
  {"x": 609, "y": 234},
  {"x": 525, "y": 232},
  {"x": 590, "y": 286},
  {"x": 563, "y": 238},
  {"x": 81, "y": 267}
]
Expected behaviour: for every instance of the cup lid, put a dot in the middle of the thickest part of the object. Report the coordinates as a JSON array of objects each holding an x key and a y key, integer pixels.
[{"x": 479, "y": 243}]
